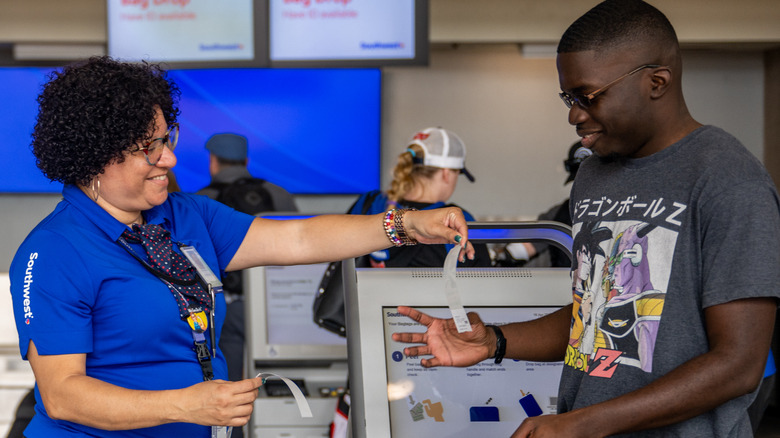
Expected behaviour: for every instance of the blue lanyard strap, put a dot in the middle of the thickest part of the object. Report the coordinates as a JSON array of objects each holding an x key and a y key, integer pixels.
[
  {"x": 204, "y": 357},
  {"x": 199, "y": 340}
]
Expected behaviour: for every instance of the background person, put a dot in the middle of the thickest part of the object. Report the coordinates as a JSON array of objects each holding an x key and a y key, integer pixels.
[
  {"x": 119, "y": 327},
  {"x": 539, "y": 254},
  {"x": 670, "y": 326},
  {"x": 424, "y": 178},
  {"x": 228, "y": 159}
]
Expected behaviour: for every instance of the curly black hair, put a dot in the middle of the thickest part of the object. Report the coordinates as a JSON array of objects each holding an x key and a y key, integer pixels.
[{"x": 91, "y": 112}]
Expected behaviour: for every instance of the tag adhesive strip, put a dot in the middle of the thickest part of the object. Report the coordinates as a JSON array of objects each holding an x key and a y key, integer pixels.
[
  {"x": 451, "y": 291},
  {"x": 300, "y": 399}
]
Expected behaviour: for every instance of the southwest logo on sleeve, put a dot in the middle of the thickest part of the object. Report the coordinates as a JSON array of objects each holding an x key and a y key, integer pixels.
[{"x": 28, "y": 279}]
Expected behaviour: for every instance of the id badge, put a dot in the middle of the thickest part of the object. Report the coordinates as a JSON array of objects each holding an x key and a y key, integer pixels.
[
  {"x": 221, "y": 431},
  {"x": 200, "y": 265}
]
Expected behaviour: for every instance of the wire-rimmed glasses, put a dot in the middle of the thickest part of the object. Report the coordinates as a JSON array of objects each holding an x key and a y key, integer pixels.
[
  {"x": 153, "y": 149},
  {"x": 586, "y": 100}
]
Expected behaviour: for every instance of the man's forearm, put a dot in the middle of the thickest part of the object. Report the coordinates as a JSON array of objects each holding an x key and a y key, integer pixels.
[{"x": 543, "y": 339}]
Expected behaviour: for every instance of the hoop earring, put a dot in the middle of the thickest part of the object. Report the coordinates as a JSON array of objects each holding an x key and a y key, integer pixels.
[{"x": 95, "y": 192}]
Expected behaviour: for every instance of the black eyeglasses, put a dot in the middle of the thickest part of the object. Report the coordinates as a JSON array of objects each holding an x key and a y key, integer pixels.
[
  {"x": 153, "y": 149},
  {"x": 586, "y": 100}
]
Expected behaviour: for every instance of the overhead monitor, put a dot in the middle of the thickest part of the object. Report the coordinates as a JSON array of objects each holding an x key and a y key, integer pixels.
[
  {"x": 311, "y": 131},
  {"x": 393, "y": 396},
  {"x": 188, "y": 33},
  {"x": 17, "y": 120},
  {"x": 348, "y": 32}
]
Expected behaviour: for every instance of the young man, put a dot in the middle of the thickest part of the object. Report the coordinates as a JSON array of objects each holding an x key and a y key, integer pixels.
[{"x": 670, "y": 333}]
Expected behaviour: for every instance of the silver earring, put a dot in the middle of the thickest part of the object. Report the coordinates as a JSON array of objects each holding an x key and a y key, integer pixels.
[{"x": 95, "y": 192}]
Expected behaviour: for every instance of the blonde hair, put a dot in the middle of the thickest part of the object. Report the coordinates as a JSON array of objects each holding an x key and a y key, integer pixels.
[{"x": 407, "y": 174}]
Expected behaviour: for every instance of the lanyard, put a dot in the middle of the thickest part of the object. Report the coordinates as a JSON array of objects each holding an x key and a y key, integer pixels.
[{"x": 195, "y": 318}]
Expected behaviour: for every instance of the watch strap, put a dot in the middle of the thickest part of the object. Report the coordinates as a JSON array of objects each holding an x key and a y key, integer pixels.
[{"x": 500, "y": 344}]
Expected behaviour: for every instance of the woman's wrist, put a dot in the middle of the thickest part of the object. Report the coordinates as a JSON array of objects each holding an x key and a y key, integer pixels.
[{"x": 395, "y": 228}]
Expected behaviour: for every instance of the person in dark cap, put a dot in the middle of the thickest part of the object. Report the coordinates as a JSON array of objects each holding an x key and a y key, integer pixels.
[
  {"x": 542, "y": 254},
  {"x": 577, "y": 153},
  {"x": 228, "y": 164}
]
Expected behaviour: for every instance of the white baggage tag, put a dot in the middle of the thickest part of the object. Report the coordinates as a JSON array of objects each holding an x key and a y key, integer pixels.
[
  {"x": 303, "y": 405},
  {"x": 451, "y": 291}
]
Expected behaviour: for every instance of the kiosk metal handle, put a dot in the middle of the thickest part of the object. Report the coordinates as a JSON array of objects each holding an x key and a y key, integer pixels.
[{"x": 555, "y": 233}]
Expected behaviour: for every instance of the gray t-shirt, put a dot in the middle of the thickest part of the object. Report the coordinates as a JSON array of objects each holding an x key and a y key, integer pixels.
[{"x": 657, "y": 240}]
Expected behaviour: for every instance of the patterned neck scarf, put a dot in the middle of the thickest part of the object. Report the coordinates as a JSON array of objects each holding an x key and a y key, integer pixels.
[{"x": 173, "y": 268}]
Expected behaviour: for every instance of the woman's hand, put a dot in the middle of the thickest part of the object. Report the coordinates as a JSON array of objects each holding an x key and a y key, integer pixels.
[
  {"x": 444, "y": 343},
  {"x": 221, "y": 403},
  {"x": 69, "y": 394},
  {"x": 440, "y": 225}
]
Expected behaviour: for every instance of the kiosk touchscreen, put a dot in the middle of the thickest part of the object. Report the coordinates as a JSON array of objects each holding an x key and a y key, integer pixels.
[
  {"x": 394, "y": 396},
  {"x": 281, "y": 328}
]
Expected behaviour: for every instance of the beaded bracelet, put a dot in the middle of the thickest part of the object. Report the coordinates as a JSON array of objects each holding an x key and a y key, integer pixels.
[
  {"x": 401, "y": 229},
  {"x": 394, "y": 228}
]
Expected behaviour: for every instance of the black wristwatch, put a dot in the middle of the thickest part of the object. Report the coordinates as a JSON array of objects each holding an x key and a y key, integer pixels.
[{"x": 500, "y": 344}]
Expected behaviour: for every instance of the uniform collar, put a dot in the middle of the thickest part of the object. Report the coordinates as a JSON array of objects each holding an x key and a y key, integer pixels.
[{"x": 100, "y": 218}]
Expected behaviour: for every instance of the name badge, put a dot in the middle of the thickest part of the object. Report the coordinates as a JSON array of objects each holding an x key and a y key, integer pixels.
[
  {"x": 221, "y": 431},
  {"x": 200, "y": 265}
]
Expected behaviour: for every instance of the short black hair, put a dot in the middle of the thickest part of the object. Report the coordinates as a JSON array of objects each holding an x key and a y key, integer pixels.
[
  {"x": 90, "y": 112},
  {"x": 615, "y": 23}
]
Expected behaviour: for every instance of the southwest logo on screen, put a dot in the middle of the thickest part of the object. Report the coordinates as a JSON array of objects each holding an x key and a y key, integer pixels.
[
  {"x": 144, "y": 4},
  {"x": 307, "y": 3},
  {"x": 381, "y": 46},
  {"x": 217, "y": 46}
]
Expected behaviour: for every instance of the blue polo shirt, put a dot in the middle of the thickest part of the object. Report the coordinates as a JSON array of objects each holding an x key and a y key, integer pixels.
[{"x": 76, "y": 290}]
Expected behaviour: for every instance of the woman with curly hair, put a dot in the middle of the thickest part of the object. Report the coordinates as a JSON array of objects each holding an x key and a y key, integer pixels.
[{"x": 116, "y": 292}]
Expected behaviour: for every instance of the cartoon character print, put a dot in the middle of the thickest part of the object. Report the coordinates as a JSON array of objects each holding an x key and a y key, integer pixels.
[
  {"x": 587, "y": 247},
  {"x": 633, "y": 307},
  {"x": 617, "y": 311}
]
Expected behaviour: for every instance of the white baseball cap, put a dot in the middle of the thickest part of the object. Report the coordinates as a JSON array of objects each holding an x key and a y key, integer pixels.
[{"x": 442, "y": 148}]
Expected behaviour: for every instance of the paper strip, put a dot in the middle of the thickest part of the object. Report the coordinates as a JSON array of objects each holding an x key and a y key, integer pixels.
[
  {"x": 303, "y": 405},
  {"x": 451, "y": 291}
]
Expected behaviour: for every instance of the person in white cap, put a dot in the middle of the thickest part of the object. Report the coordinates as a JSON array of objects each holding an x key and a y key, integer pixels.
[{"x": 424, "y": 177}]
